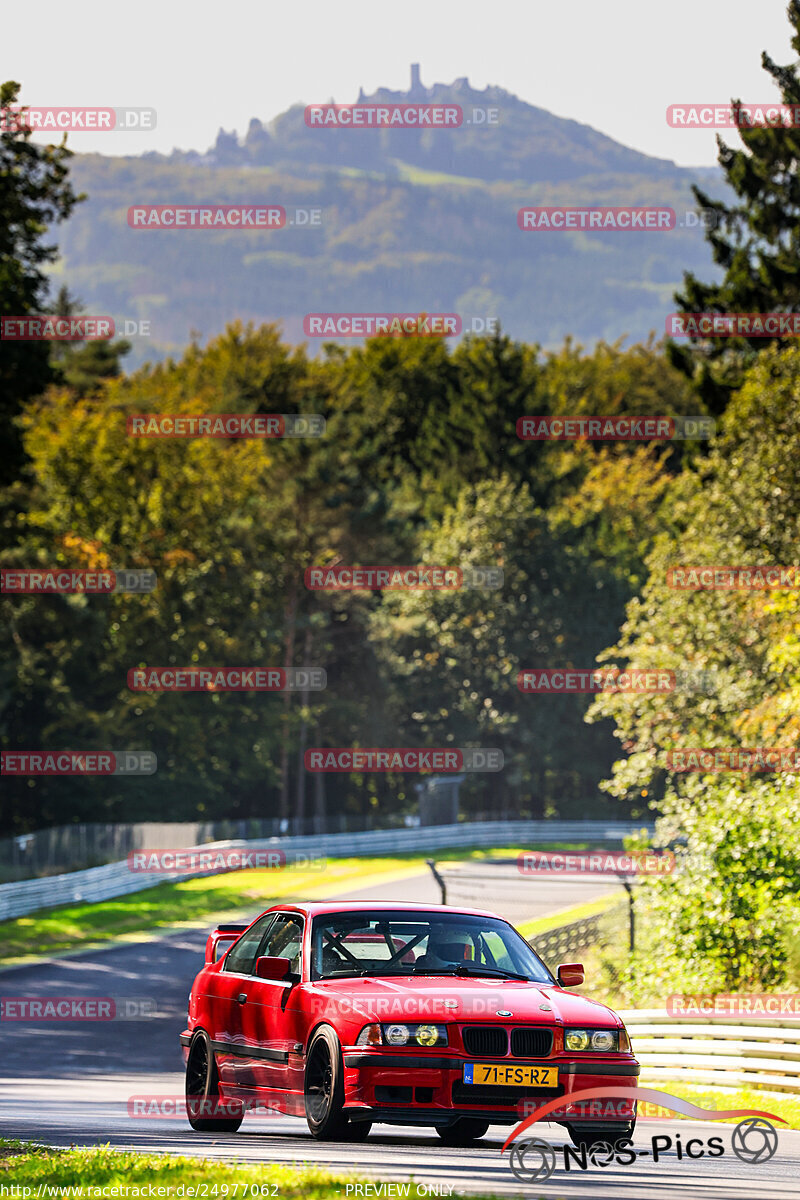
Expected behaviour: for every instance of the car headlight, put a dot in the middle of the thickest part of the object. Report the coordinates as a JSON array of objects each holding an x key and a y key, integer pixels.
[
  {"x": 402, "y": 1035},
  {"x": 592, "y": 1039},
  {"x": 416, "y": 1035},
  {"x": 396, "y": 1035}
]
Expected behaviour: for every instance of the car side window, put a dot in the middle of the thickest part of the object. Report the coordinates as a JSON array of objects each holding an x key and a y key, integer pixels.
[
  {"x": 285, "y": 940},
  {"x": 498, "y": 955},
  {"x": 242, "y": 955}
]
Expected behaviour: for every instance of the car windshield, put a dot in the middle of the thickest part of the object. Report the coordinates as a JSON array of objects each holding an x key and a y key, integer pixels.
[{"x": 408, "y": 944}]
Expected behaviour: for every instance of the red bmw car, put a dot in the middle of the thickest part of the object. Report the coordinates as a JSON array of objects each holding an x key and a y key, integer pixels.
[{"x": 351, "y": 1013}]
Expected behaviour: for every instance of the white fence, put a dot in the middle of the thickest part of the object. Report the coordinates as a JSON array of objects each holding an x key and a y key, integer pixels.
[
  {"x": 116, "y": 879},
  {"x": 731, "y": 1052}
]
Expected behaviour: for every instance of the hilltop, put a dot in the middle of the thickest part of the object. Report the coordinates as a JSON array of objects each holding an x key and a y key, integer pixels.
[{"x": 410, "y": 221}]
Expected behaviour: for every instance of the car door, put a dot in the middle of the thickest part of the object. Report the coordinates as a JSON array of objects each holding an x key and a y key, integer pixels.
[
  {"x": 269, "y": 1019},
  {"x": 226, "y": 989}
]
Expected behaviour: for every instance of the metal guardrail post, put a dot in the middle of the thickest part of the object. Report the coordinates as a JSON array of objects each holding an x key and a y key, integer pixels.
[
  {"x": 438, "y": 878},
  {"x": 631, "y": 925}
]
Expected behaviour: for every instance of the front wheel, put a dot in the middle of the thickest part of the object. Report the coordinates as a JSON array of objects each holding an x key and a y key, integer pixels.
[
  {"x": 207, "y": 1113},
  {"x": 462, "y": 1132},
  {"x": 324, "y": 1088},
  {"x": 610, "y": 1136},
  {"x": 357, "y": 1131}
]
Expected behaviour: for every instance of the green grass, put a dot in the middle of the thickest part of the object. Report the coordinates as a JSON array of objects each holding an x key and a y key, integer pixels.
[
  {"x": 56, "y": 930},
  {"x": 784, "y": 1106},
  {"x": 424, "y": 178},
  {"x": 27, "y": 1164},
  {"x": 199, "y": 901}
]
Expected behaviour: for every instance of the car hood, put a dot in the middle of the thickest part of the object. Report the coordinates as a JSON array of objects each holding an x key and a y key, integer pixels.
[{"x": 448, "y": 998}]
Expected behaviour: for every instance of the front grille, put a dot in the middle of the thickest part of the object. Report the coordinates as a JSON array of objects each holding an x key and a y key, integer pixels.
[
  {"x": 531, "y": 1043},
  {"x": 485, "y": 1039},
  {"x": 491, "y": 1096}
]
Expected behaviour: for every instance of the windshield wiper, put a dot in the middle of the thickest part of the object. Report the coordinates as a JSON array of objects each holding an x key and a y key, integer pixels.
[
  {"x": 463, "y": 970},
  {"x": 496, "y": 972}
]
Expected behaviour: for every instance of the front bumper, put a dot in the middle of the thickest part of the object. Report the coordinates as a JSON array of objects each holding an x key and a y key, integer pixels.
[{"x": 419, "y": 1089}]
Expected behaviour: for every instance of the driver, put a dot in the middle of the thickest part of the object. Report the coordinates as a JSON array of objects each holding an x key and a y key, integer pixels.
[{"x": 447, "y": 947}]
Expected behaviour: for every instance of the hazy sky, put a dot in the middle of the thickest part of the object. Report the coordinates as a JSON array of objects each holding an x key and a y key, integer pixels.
[{"x": 612, "y": 64}]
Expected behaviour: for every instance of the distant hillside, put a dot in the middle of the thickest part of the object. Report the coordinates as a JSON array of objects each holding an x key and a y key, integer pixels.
[
  {"x": 412, "y": 221},
  {"x": 526, "y": 143}
]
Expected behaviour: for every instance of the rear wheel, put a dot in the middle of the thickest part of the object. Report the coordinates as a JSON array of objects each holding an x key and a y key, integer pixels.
[
  {"x": 324, "y": 1088},
  {"x": 463, "y": 1131},
  {"x": 203, "y": 1103}
]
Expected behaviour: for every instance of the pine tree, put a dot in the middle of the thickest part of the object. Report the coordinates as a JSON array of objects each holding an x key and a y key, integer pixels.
[
  {"x": 34, "y": 194},
  {"x": 756, "y": 241}
]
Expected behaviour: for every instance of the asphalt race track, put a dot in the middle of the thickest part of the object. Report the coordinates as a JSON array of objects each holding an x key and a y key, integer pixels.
[{"x": 71, "y": 1083}]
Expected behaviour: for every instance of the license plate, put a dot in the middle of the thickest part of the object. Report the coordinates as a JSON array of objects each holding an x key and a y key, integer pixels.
[{"x": 510, "y": 1076}]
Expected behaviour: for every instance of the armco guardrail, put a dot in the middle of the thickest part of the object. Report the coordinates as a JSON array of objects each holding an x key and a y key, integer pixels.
[
  {"x": 115, "y": 879},
  {"x": 729, "y": 1052},
  {"x": 566, "y": 941}
]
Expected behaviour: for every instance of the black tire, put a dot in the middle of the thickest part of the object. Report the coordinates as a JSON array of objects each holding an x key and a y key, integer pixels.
[
  {"x": 324, "y": 1088},
  {"x": 463, "y": 1131},
  {"x": 202, "y": 1091},
  {"x": 357, "y": 1131},
  {"x": 615, "y": 1134}
]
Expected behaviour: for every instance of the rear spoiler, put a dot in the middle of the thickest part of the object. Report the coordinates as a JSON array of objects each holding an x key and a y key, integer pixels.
[{"x": 221, "y": 939}]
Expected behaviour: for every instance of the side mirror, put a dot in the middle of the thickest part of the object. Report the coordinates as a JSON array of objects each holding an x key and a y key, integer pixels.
[
  {"x": 272, "y": 967},
  {"x": 570, "y": 974}
]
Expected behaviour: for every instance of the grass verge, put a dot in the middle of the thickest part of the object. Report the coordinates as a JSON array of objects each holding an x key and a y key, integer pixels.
[
  {"x": 530, "y": 929},
  {"x": 784, "y": 1106},
  {"x": 28, "y": 1165}
]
